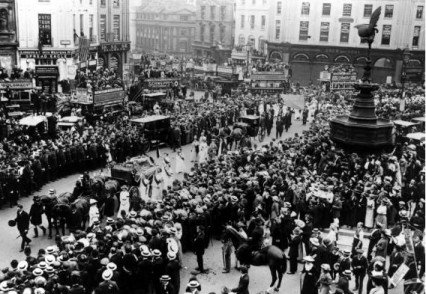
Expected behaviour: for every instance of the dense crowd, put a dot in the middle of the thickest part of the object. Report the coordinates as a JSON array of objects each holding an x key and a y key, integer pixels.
[
  {"x": 290, "y": 190},
  {"x": 100, "y": 79}
]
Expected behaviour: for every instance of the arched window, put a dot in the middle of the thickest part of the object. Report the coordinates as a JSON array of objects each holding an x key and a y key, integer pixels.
[
  {"x": 241, "y": 40},
  {"x": 301, "y": 57},
  {"x": 251, "y": 41},
  {"x": 361, "y": 60},
  {"x": 383, "y": 63},
  {"x": 113, "y": 62},
  {"x": 321, "y": 57},
  {"x": 261, "y": 43},
  {"x": 276, "y": 55},
  {"x": 342, "y": 59}
]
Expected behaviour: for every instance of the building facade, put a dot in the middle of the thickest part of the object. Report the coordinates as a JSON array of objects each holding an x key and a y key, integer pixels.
[
  {"x": 214, "y": 29},
  {"x": 165, "y": 27},
  {"x": 46, "y": 45},
  {"x": 8, "y": 35},
  {"x": 308, "y": 35},
  {"x": 114, "y": 35}
]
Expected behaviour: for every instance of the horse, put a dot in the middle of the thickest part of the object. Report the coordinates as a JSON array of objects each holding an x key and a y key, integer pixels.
[
  {"x": 73, "y": 212},
  {"x": 236, "y": 135},
  {"x": 270, "y": 255},
  {"x": 49, "y": 203}
]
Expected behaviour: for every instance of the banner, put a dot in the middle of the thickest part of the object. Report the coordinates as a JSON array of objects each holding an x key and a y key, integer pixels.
[
  {"x": 399, "y": 274},
  {"x": 110, "y": 96},
  {"x": 160, "y": 83},
  {"x": 23, "y": 84}
]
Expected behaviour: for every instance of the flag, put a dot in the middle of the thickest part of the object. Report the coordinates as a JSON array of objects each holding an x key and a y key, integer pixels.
[{"x": 84, "y": 46}]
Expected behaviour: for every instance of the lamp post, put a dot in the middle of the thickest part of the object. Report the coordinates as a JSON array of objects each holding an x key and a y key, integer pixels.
[{"x": 405, "y": 59}]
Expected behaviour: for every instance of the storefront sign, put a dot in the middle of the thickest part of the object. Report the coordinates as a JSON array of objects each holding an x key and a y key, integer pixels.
[
  {"x": 224, "y": 69},
  {"x": 343, "y": 77},
  {"x": 114, "y": 47},
  {"x": 47, "y": 54},
  {"x": 81, "y": 95},
  {"x": 17, "y": 85},
  {"x": 108, "y": 97},
  {"x": 65, "y": 42},
  {"x": 47, "y": 70},
  {"x": 160, "y": 83},
  {"x": 268, "y": 77}
]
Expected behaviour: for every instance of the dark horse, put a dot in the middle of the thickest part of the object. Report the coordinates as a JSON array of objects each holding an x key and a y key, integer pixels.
[
  {"x": 75, "y": 213},
  {"x": 270, "y": 255},
  {"x": 58, "y": 210}
]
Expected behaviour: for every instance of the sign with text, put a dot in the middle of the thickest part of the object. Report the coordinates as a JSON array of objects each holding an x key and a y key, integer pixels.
[
  {"x": 108, "y": 97},
  {"x": 44, "y": 29},
  {"x": 160, "y": 83},
  {"x": 47, "y": 70},
  {"x": 46, "y": 54},
  {"x": 80, "y": 95},
  {"x": 114, "y": 47},
  {"x": 23, "y": 84}
]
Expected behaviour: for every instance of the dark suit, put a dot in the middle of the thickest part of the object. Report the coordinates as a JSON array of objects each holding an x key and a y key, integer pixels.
[
  {"x": 359, "y": 267},
  {"x": 293, "y": 253},
  {"x": 419, "y": 252},
  {"x": 343, "y": 285},
  {"x": 243, "y": 284},
  {"x": 23, "y": 224}
]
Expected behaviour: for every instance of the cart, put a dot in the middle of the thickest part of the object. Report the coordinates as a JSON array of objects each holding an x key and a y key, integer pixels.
[
  {"x": 252, "y": 122},
  {"x": 155, "y": 129},
  {"x": 130, "y": 172}
]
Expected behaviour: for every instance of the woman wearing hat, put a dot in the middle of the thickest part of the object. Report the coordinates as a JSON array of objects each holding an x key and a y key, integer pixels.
[
  {"x": 369, "y": 212},
  {"x": 124, "y": 208},
  {"x": 325, "y": 279},
  {"x": 157, "y": 185},
  {"x": 93, "y": 212},
  {"x": 309, "y": 277}
]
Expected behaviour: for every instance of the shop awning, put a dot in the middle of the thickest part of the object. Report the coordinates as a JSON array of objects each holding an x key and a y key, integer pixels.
[
  {"x": 403, "y": 123},
  {"x": 416, "y": 136},
  {"x": 419, "y": 119},
  {"x": 32, "y": 120}
]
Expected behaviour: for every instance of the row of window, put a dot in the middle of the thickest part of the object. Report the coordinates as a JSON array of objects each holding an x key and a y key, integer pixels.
[
  {"x": 252, "y": 22},
  {"x": 152, "y": 16},
  {"x": 166, "y": 32},
  {"x": 115, "y": 27},
  {"x": 222, "y": 11},
  {"x": 344, "y": 32},
  {"x": 253, "y": 2},
  {"x": 115, "y": 3},
  {"x": 212, "y": 31},
  {"x": 347, "y": 9}
]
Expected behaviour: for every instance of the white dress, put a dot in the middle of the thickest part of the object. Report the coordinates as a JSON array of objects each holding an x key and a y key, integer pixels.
[
  {"x": 93, "y": 214},
  {"x": 180, "y": 163},
  {"x": 369, "y": 214},
  {"x": 124, "y": 203},
  {"x": 157, "y": 187},
  {"x": 167, "y": 176},
  {"x": 144, "y": 190},
  {"x": 203, "y": 152}
]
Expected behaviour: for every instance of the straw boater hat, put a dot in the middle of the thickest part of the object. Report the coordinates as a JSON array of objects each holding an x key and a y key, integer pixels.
[
  {"x": 107, "y": 275},
  {"x": 308, "y": 259},
  {"x": 193, "y": 284}
]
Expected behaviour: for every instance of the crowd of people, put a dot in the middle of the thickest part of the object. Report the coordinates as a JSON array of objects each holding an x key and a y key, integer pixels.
[
  {"x": 100, "y": 79},
  {"x": 290, "y": 190}
]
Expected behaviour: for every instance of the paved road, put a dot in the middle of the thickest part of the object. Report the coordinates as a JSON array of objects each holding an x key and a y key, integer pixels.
[{"x": 211, "y": 282}]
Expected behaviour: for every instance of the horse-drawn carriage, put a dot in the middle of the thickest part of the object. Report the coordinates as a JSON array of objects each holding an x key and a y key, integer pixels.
[
  {"x": 252, "y": 122},
  {"x": 155, "y": 129}
]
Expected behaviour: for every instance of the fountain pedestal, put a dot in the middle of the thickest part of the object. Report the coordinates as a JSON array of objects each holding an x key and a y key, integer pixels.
[{"x": 362, "y": 128}]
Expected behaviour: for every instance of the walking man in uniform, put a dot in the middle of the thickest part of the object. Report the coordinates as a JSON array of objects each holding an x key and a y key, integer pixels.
[{"x": 23, "y": 224}]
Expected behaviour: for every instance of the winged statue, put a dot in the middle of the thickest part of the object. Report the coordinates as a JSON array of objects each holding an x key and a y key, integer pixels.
[{"x": 368, "y": 31}]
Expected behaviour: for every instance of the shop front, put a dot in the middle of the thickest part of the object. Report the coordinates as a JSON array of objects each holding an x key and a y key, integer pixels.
[
  {"x": 113, "y": 55},
  {"x": 47, "y": 78},
  {"x": 8, "y": 37},
  {"x": 307, "y": 61}
]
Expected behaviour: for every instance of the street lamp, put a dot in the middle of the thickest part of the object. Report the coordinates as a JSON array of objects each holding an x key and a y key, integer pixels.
[{"x": 405, "y": 59}]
